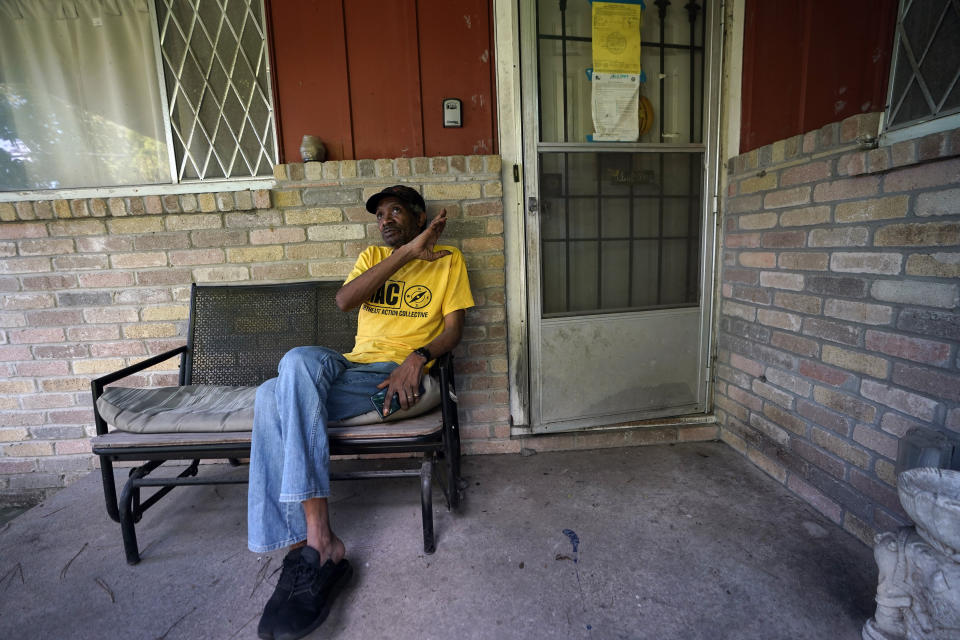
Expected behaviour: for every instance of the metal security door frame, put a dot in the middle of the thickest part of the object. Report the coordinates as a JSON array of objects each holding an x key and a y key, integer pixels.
[{"x": 709, "y": 203}]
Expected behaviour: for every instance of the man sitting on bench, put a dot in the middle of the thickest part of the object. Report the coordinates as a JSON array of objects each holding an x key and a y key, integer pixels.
[{"x": 412, "y": 297}]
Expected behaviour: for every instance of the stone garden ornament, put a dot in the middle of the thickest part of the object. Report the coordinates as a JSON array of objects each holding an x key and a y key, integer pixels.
[{"x": 918, "y": 595}]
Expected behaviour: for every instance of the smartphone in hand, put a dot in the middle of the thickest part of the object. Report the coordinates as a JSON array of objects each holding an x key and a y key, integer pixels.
[{"x": 380, "y": 397}]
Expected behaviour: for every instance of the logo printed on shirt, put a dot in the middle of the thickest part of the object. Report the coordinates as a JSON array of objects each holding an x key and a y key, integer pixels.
[
  {"x": 388, "y": 300},
  {"x": 389, "y": 295},
  {"x": 394, "y": 293},
  {"x": 417, "y": 296}
]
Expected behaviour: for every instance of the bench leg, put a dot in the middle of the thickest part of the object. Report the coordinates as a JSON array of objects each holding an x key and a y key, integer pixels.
[
  {"x": 448, "y": 475},
  {"x": 127, "y": 522},
  {"x": 426, "y": 504},
  {"x": 453, "y": 483},
  {"x": 456, "y": 480},
  {"x": 131, "y": 509},
  {"x": 109, "y": 488}
]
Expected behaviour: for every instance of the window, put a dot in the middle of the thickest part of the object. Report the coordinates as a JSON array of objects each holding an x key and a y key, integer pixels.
[
  {"x": 82, "y": 103},
  {"x": 924, "y": 94},
  {"x": 217, "y": 81},
  {"x": 619, "y": 231}
]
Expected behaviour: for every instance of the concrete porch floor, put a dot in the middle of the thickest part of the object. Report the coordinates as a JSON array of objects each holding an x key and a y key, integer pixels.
[{"x": 676, "y": 541}]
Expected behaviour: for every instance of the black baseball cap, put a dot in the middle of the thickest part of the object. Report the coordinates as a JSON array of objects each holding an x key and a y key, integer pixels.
[{"x": 405, "y": 194}]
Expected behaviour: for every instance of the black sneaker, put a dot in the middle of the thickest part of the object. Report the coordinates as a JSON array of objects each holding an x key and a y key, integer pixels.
[
  {"x": 288, "y": 577},
  {"x": 315, "y": 589}
]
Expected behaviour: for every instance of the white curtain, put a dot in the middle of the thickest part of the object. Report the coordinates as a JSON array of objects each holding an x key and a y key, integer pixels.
[{"x": 80, "y": 102}]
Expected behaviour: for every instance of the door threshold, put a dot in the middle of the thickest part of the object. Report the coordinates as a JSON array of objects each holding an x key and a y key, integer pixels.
[{"x": 691, "y": 420}]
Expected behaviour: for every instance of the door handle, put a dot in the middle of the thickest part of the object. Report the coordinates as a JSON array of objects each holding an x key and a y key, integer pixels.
[{"x": 532, "y": 205}]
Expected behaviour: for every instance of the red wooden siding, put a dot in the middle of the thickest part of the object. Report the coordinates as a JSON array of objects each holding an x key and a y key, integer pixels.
[
  {"x": 810, "y": 63},
  {"x": 465, "y": 28},
  {"x": 310, "y": 76},
  {"x": 383, "y": 60},
  {"x": 368, "y": 76}
]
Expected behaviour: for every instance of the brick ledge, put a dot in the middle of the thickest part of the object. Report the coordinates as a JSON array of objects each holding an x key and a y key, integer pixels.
[{"x": 854, "y": 138}]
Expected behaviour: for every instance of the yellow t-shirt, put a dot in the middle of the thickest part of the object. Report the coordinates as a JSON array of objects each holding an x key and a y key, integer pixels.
[{"x": 407, "y": 311}]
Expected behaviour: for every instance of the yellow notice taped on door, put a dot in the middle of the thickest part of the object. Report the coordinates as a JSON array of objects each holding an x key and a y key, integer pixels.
[{"x": 616, "y": 37}]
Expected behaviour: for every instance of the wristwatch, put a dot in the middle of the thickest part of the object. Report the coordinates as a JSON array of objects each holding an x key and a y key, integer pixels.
[{"x": 423, "y": 351}]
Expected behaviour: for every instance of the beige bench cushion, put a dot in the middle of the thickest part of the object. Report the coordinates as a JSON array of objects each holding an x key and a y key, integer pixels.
[
  {"x": 420, "y": 426},
  {"x": 216, "y": 409},
  {"x": 191, "y": 408}
]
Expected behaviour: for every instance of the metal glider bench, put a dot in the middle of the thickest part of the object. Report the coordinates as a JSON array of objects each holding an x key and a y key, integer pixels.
[{"x": 237, "y": 335}]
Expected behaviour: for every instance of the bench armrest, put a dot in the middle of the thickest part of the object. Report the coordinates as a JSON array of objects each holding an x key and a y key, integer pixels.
[
  {"x": 446, "y": 360},
  {"x": 97, "y": 384}
]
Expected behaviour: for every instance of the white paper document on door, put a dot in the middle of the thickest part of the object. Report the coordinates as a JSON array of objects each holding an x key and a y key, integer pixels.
[{"x": 616, "y": 97}]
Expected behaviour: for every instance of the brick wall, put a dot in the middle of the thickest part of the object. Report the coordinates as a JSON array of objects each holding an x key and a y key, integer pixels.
[
  {"x": 92, "y": 285},
  {"x": 839, "y": 323}
]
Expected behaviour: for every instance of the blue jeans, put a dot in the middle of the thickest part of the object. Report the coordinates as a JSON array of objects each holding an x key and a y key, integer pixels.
[{"x": 290, "y": 455}]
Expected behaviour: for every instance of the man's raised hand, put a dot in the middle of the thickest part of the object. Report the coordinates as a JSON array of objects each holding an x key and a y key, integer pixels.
[{"x": 422, "y": 245}]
